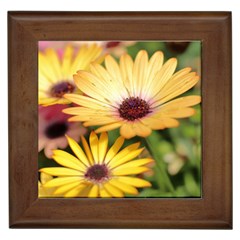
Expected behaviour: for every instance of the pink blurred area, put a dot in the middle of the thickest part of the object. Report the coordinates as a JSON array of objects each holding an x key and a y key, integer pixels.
[
  {"x": 53, "y": 113},
  {"x": 42, "y": 45},
  {"x": 113, "y": 47},
  {"x": 47, "y": 118}
]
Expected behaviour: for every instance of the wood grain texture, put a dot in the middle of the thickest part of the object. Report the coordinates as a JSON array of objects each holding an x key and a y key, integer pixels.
[{"x": 213, "y": 210}]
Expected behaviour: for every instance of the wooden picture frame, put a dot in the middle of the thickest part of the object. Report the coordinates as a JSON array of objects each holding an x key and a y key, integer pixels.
[{"x": 213, "y": 210}]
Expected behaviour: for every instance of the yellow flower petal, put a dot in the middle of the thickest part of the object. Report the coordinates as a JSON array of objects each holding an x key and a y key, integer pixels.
[
  {"x": 114, "y": 149},
  {"x": 183, "y": 86},
  {"x": 84, "y": 83},
  {"x": 95, "y": 55},
  {"x": 178, "y": 112},
  {"x": 162, "y": 77},
  {"x": 86, "y": 101},
  {"x": 45, "y": 192},
  {"x": 78, "y": 118},
  {"x": 93, "y": 142},
  {"x": 154, "y": 123},
  {"x": 123, "y": 186},
  {"x": 56, "y": 182},
  {"x": 108, "y": 127},
  {"x": 88, "y": 117},
  {"x": 113, "y": 69},
  {"x": 43, "y": 82},
  {"x": 94, "y": 192},
  {"x": 66, "y": 187},
  {"x": 79, "y": 59},
  {"x": 119, "y": 161},
  {"x": 115, "y": 192},
  {"x": 45, "y": 67},
  {"x": 104, "y": 193},
  {"x": 100, "y": 120},
  {"x": 91, "y": 84},
  {"x": 51, "y": 101},
  {"x": 85, "y": 111},
  {"x": 140, "y": 68},
  {"x": 67, "y": 160},
  {"x": 52, "y": 57},
  {"x": 78, "y": 151},
  {"x": 100, "y": 73},
  {"x": 85, "y": 56},
  {"x": 47, "y": 101},
  {"x": 87, "y": 150},
  {"x": 178, "y": 79},
  {"x": 102, "y": 147},
  {"x": 123, "y": 153},
  {"x": 75, "y": 192},
  {"x": 103, "y": 80},
  {"x": 179, "y": 74},
  {"x": 141, "y": 129},
  {"x": 42, "y": 94},
  {"x": 127, "y": 131},
  {"x": 126, "y": 66},
  {"x": 170, "y": 122},
  {"x": 155, "y": 65},
  {"x": 66, "y": 62},
  {"x": 85, "y": 191},
  {"x": 129, "y": 171},
  {"x": 134, "y": 163},
  {"x": 182, "y": 102},
  {"x": 60, "y": 171},
  {"x": 136, "y": 182},
  {"x": 45, "y": 177}
]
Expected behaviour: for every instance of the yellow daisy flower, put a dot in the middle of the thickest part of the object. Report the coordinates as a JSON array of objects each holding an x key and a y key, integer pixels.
[
  {"x": 135, "y": 96},
  {"x": 55, "y": 71},
  {"x": 97, "y": 171}
]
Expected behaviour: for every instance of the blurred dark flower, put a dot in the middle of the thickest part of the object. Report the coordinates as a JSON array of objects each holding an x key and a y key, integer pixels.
[
  {"x": 177, "y": 47},
  {"x": 52, "y": 127}
]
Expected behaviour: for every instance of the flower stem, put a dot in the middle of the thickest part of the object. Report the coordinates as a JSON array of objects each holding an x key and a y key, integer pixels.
[{"x": 166, "y": 183}]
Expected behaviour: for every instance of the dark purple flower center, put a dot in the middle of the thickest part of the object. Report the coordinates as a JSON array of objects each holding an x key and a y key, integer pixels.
[
  {"x": 112, "y": 44},
  {"x": 62, "y": 88},
  {"x": 56, "y": 130},
  {"x": 133, "y": 108},
  {"x": 97, "y": 173}
]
